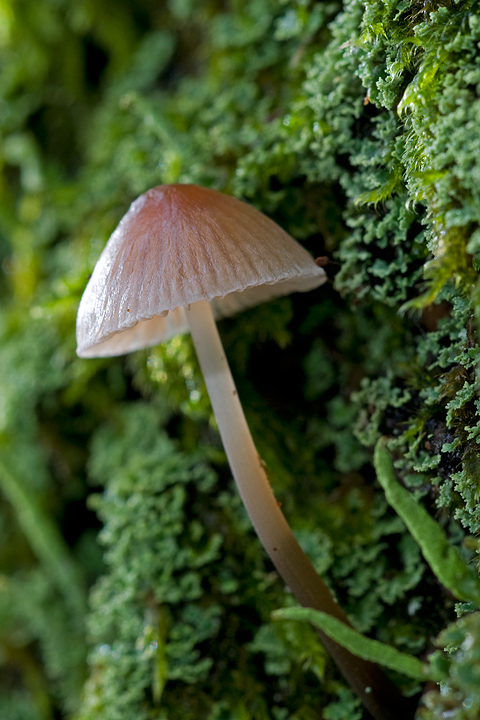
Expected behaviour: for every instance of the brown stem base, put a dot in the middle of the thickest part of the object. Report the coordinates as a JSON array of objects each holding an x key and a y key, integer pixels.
[{"x": 381, "y": 697}]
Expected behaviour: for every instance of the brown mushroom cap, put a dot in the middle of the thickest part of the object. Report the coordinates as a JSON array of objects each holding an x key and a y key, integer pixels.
[{"x": 178, "y": 244}]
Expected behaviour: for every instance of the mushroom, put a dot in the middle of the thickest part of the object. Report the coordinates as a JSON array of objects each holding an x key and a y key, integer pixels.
[{"x": 182, "y": 256}]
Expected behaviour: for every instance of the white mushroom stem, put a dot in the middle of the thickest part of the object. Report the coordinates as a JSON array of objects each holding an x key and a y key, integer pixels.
[{"x": 380, "y": 697}]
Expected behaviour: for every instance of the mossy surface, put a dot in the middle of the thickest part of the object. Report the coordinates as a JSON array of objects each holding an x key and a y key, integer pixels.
[{"x": 354, "y": 126}]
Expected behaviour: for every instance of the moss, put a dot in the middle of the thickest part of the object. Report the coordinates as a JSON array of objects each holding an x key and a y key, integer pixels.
[
  {"x": 458, "y": 695},
  {"x": 354, "y": 126}
]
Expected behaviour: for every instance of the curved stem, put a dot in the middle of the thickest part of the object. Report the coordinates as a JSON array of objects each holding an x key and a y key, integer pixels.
[{"x": 379, "y": 696}]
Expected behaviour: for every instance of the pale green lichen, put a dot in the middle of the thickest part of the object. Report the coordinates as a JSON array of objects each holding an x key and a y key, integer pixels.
[{"x": 354, "y": 126}]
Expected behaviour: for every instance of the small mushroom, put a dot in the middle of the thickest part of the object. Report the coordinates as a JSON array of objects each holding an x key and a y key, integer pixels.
[{"x": 182, "y": 256}]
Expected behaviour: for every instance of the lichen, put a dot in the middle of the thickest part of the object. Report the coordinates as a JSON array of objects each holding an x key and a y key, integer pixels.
[{"x": 353, "y": 125}]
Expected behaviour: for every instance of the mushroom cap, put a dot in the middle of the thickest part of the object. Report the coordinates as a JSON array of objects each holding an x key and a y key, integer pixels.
[{"x": 178, "y": 244}]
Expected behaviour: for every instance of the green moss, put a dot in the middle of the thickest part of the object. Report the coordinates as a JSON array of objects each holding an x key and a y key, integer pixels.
[
  {"x": 459, "y": 694},
  {"x": 354, "y": 125}
]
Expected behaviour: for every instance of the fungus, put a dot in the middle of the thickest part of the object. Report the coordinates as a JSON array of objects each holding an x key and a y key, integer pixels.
[{"x": 182, "y": 256}]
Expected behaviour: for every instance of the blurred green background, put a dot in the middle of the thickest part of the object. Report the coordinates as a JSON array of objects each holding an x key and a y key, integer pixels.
[{"x": 131, "y": 583}]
